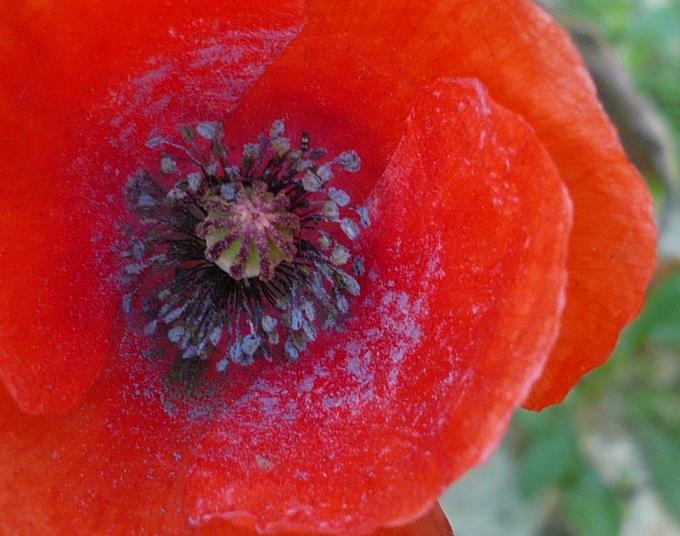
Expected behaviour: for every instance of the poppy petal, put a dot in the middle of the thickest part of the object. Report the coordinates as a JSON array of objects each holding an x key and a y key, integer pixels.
[
  {"x": 133, "y": 481},
  {"x": 434, "y": 523},
  {"x": 466, "y": 271},
  {"x": 112, "y": 466},
  {"x": 74, "y": 135},
  {"x": 383, "y": 55}
]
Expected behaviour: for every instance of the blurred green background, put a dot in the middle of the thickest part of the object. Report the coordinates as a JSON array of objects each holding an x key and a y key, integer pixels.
[{"x": 607, "y": 461}]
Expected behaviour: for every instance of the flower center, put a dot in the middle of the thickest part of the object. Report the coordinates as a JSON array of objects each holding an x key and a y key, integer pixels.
[
  {"x": 250, "y": 232},
  {"x": 246, "y": 260}
]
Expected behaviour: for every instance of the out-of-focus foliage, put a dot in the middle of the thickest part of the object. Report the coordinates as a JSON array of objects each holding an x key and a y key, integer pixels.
[
  {"x": 637, "y": 396},
  {"x": 551, "y": 457},
  {"x": 659, "y": 322}
]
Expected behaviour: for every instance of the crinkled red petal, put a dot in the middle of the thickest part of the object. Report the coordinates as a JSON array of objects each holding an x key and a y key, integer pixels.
[
  {"x": 461, "y": 305},
  {"x": 113, "y": 466},
  {"x": 99, "y": 472},
  {"x": 374, "y": 64},
  {"x": 85, "y": 84},
  {"x": 434, "y": 523}
]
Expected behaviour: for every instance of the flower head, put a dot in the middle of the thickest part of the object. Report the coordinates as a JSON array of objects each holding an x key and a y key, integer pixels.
[{"x": 128, "y": 279}]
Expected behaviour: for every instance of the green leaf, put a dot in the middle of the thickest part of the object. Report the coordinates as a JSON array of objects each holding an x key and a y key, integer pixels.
[
  {"x": 660, "y": 320},
  {"x": 592, "y": 507},
  {"x": 552, "y": 454},
  {"x": 661, "y": 448},
  {"x": 658, "y": 404}
]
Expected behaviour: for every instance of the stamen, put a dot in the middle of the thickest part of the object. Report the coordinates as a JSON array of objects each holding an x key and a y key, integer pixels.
[{"x": 250, "y": 259}]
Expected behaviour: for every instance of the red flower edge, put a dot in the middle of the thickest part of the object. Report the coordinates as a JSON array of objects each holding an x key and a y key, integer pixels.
[
  {"x": 278, "y": 85},
  {"x": 433, "y": 523}
]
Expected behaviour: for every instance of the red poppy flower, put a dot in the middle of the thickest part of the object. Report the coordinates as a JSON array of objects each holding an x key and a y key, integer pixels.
[{"x": 470, "y": 117}]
